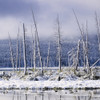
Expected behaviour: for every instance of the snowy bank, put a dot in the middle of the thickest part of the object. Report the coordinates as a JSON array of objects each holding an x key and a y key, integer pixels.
[{"x": 19, "y": 84}]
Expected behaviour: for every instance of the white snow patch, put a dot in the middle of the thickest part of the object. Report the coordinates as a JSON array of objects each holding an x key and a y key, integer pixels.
[{"x": 50, "y": 84}]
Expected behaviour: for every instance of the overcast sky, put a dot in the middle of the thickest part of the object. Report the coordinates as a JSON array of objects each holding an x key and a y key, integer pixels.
[{"x": 14, "y": 12}]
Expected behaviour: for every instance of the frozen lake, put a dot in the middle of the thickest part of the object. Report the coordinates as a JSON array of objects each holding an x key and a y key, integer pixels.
[{"x": 50, "y": 95}]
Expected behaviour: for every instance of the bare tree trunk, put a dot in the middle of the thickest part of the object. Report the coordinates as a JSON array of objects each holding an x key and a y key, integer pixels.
[
  {"x": 34, "y": 55},
  {"x": 78, "y": 49},
  {"x": 11, "y": 53},
  {"x": 48, "y": 55},
  {"x": 17, "y": 49},
  {"x": 44, "y": 64},
  {"x": 87, "y": 61},
  {"x": 84, "y": 53},
  {"x": 84, "y": 45},
  {"x": 85, "y": 48},
  {"x": 59, "y": 42},
  {"x": 20, "y": 54},
  {"x": 68, "y": 61},
  {"x": 31, "y": 61},
  {"x": 71, "y": 57},
  {"x": 34, "y": 49},
  {"x": 24, "y": 49},
  {"x": 38, "y": 43},
  {"x": 81, "y": 36},
  {"x": 78, "y": 25}
]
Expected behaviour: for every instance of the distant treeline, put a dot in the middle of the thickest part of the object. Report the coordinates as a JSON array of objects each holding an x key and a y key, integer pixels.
[{"x": 67, "y": 45}]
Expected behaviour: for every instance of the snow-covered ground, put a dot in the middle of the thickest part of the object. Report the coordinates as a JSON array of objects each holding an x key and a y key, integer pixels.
[
  {"x": 51, "y": 79},
  {"x": 50, "y": 84}
]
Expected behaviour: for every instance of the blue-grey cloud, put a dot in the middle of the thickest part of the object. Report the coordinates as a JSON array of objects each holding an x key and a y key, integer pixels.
[
  {"x": 14, "y": 11},
  {"x": 17, "y": 7}
]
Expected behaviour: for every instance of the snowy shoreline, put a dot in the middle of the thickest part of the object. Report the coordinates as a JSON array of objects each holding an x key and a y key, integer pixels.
[
  {"x": 78, "y": 84},
  {"x": 51, "y": 79}
]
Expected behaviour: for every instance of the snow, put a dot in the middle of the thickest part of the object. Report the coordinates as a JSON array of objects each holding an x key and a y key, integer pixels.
[
  {"x": 50, "y": 84},
  {"x": 50, "y": 79}
]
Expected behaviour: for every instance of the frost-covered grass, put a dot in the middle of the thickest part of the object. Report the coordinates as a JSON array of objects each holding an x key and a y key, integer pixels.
[{"x": 51, "y": 79}]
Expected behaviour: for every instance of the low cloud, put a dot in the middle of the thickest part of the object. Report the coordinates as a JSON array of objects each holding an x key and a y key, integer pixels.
[{"x": 14, "y": 13}]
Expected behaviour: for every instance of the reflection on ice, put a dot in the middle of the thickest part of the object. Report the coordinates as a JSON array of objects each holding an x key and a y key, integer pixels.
[{"x": 51, "y": 95}]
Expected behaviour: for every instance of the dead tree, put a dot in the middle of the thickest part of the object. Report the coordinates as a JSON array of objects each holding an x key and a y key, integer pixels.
[
  {"x": 72, "y": 57},
  {"x": 37, "y": 42},
  {"x": 11, "y": 54},
  {"x": 79, "y": 25},
  {"x": 24, "y": 49},
  {"x": 84, "y": 44},
  {"x": 20, "y": 49},
  {"x": 48, "y": 55},
  {"x": 85, "y": 48},
  {"x": 78, "y": 51},
  {"x": 87, "y": 60},
  {"x": 33, "y": 58},
  {"x": 79, "y": 41},
  {"x": 17, "y": 50},
  {"x": 59, "y": 42},
  {"x": 34, "y": 51}
]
